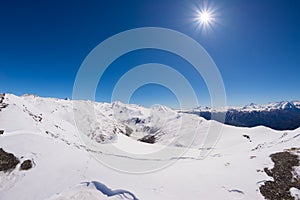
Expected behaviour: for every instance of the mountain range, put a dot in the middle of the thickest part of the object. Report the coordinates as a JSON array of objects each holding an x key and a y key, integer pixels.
[{"x": 282, "y": 115}]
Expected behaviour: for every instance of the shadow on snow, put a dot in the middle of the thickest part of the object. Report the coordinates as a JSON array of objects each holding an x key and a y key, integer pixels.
[{"x": 109, "y": 192}]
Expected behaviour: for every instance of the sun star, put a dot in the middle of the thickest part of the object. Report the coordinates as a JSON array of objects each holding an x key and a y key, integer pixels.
[{"x": 204, "y": 17}]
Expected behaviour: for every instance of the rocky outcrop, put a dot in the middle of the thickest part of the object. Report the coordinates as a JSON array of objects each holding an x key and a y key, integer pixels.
[
  {"x": 282, "y": 173},
  {"x": 8, "y": 161}
]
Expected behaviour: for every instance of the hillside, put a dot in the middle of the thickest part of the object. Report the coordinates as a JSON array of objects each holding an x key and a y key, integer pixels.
[{"x": 121, "y": 151}]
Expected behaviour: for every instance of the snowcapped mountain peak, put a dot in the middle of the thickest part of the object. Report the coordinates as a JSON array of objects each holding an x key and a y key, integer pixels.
[
  {"x": 251, "y": 106},
  {"x": 271, "y": 106},
  {"x": 255, "y": 107},
  {"x": 162, "y": 108},
  {"x": 280, "y": 105},
  {"x": 117, "y": 104},
  {"x": 296, "y": 104},
  {"x": 286, "y": 105},
  {"x": 203, "y": 108}
]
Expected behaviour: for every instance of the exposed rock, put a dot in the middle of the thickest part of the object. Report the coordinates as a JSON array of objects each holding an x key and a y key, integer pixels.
[
  {"x": 1, "y": 132},
  {"x": 282, "y": 173},
  {"x": 148, "y": 139},
  {"x": 7, "y": 161},
  {"x": 128, "y": 130},
  {"x": 248, "y": 137},
  {"x": 27, "y": 164},
  {"x": 2, "y": 103}
]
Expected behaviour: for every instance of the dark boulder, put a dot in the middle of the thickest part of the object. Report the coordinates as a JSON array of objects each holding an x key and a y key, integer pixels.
[
  {"x": 27, "y": 164},
  {"x": 7, "y": 161}
]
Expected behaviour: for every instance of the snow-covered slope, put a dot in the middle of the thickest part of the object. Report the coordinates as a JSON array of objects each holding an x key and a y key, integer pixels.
[
  {"x": 101, "y": 123},
  {"x": 65, "y": 167}
]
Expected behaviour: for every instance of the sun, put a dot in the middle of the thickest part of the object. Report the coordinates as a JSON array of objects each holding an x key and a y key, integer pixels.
[{"x": 204, "y": 17}]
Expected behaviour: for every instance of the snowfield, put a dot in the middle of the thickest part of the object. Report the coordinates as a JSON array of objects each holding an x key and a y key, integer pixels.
[{"x": 121, "y": 151}]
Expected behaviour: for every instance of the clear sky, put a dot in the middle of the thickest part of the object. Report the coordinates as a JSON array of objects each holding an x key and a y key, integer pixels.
[{"x": 255, "y": 44}]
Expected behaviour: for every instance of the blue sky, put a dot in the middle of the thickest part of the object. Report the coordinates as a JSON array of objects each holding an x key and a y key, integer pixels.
[{"x": 255, "y": 44}]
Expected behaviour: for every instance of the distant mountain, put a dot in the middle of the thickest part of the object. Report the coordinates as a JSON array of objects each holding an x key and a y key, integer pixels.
[{"x": 282, "y": 115}]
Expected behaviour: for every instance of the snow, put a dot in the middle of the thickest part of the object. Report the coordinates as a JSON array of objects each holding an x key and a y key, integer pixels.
[
  {"x": 295, "y": 193},
  {"x": 66, "y": 168},
  {"x": 297, "y": 104}
]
